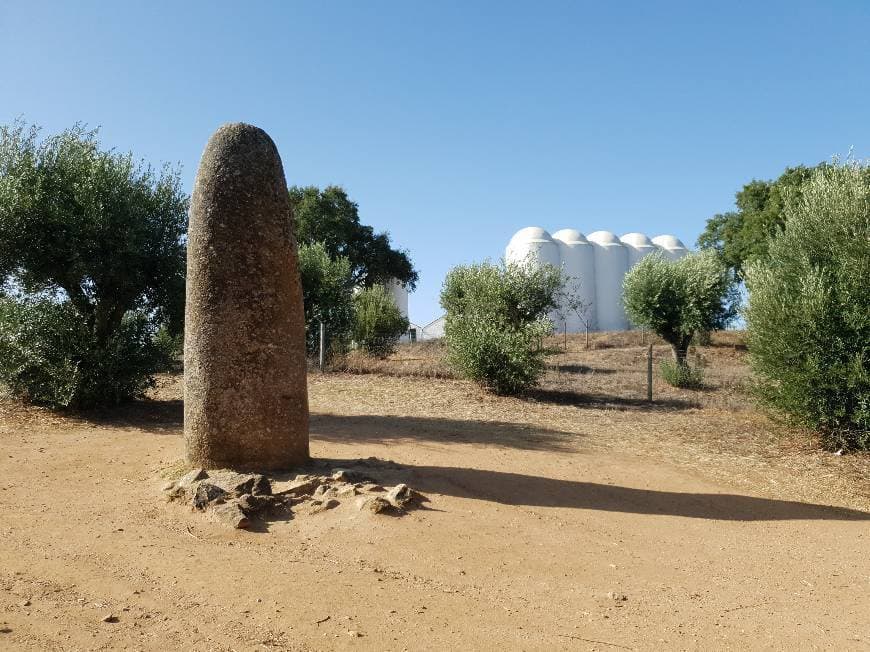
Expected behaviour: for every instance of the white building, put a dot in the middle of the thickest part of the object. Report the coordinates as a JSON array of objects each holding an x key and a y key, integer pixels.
[{"x": 595, "y": 265}]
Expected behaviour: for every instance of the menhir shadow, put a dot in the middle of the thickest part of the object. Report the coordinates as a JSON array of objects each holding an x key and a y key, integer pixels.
[
  {"x": 381, "y": 429},
  {"x": 535, "y": 491}
]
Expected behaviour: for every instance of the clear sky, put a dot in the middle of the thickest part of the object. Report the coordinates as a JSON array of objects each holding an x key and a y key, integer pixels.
[{"x": 455, "y": 123}]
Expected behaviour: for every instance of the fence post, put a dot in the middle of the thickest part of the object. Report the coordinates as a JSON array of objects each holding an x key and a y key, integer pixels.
[
  {"x": 322, "y": 338},
  {"x": 649, "y": 354}
]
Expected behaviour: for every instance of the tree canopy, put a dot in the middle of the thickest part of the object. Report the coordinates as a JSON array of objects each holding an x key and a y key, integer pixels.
[
  {"x": 327, "y": 292},
  {"x": 496, "y": 319},
  {"x": 809, "y": 308},
  {"x": 676, "y": 299},
  {"x": 740, "y": 236},
  {"x": 97, "y": 232},
  {"x": 330, "y": 217}
]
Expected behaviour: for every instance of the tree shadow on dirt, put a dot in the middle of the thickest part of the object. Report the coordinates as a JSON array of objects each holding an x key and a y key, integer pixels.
[
  {"x": 157, "y": 416},
  {"x": 383, "y": 429},
  {"x": 535, "y": 491},
  {"x": 606, "y": 401},
  {"x": 579, "y": 369}
]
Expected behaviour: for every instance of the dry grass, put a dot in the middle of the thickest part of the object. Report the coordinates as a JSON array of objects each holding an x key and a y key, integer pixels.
[
  {"x": 589, "y": 399},
  {"x": 596, "y": 398}
]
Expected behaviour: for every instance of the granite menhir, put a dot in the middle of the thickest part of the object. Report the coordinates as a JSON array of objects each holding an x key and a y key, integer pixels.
[{"x": 245, "y": 385}]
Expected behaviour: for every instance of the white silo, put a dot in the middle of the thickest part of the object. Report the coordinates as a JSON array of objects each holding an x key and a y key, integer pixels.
[
  {"x": 534, "y": 246},
  {"x": 611, "y": 264},
  {"x": 578, "y": 265},
  {"x": 670, "y": 246},
  {"x": 638, "y": 246},
  {"x": 400, "y": 296}
]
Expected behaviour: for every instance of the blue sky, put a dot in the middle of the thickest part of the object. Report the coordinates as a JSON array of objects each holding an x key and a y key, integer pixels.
[{"x": 453, "y": 124}]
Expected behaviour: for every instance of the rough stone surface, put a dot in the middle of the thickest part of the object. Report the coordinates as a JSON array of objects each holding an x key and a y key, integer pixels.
[
  {"x": 206, "y": 493},
  {"x": 187, "y": 480},
  {"x": 235, "y": 499},
  {"x": 245, "y": 391},
  {"x": 252, "y": 505},
  {"x": 318, "y": 506},
  {"x": 302, "y": 487},
  {"x": 377, "y": 505},
  {"x": 401, "y": 495},
  {"x": 231, "y": 514}
]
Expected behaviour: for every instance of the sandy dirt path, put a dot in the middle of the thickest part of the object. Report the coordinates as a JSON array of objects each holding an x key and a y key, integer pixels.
[{"x": 521, "y": 548}]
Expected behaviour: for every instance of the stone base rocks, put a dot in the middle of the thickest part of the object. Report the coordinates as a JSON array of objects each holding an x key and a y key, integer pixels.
[{"x": 238, "y": 499}]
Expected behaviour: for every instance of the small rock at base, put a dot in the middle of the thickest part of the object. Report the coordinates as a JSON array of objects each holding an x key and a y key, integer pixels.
[
  {"x": 401, "y": 495},
  {"x": 189, "y": 479},
  {"x": 262, "y": 486},
  {"x": 377, "y": 505},
  {"x": 231, "y": 514},
  {"x": 251, "y": 504},
  {"x": 318, "y": 506},
  {"x": 110, "y": 618},
  {"x": 301, "y": 487},
  {"x": 206, "y": 493}
]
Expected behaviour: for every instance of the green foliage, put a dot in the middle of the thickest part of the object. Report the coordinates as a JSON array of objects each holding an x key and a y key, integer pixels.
[
  {"x": 681, "y": 374},
  {"x": 329, "y": 216},
  {"x": 741, "y": 236},
  {"x": 327, "y": 292},
  {"x": 171, "y": 347},
  {"x": 496, "y": 318},
  {"x": 100, "y": 234},
  {"x": 378, "y": 323},
  {"x": 676, "y": 299},
  {"x": 809, "y": 308},
  {"x": 49, "y": 355}
]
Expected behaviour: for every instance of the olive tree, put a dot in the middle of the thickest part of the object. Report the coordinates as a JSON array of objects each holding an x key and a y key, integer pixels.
[
  {"x": 496, "y": 318},
  {"x": 809, "y": 308},
  {"x": 92, "y": 255},
  {"x": 327, "y": 293},
  {"x": 676, "y": 299},
  {"x": 378, "y": 323}
]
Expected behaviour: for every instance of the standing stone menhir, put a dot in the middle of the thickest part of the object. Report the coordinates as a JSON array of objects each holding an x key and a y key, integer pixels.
[{"x": 245, "y": 385}]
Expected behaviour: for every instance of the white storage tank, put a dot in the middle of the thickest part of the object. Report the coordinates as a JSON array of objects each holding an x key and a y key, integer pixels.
[
  {"x": 533, "y": 245},
  {"x": 400, "y": 296},
  {"x": 578, "y": 265},
  {"x": 670, "y": 246},
  {"x": 611, "y": 264},
  {"x": 638, "y": 246}
]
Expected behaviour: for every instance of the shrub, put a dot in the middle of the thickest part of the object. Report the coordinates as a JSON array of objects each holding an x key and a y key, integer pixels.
[
  {"x": 676, "y": 299},
  {"x": 327, "y": 292},
  {"x": 48, "y": 355},
  {"x": 682, "y": 374},
  {"x": 496, "y": 320},
  {"x": 378, "y": 323},
  {"x": 92, "y": 247},
  {"x": 808, "y": 314}
]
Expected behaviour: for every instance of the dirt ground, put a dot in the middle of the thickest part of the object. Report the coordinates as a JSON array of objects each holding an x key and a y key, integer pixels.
[{"x": 579, "y": 518}]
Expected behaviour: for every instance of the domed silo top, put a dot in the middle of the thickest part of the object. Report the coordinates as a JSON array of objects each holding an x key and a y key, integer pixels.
[
  {"x": 668, "y": 242},
  {"x": 570, "y": 236},
  {"x": 531, "y": 234},
  {"x": 635, "y": 239},
  {"x": 603, "y": 238},
  {"x": 533, "y": 245}
]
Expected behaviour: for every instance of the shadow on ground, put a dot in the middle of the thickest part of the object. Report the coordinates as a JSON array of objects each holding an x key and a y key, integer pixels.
[
  {"x": 606, "y": 401},
  {"x": 155, "y": 416},
  {"x": 376, "y": 428},
  {"x": 535, "y": 491}
]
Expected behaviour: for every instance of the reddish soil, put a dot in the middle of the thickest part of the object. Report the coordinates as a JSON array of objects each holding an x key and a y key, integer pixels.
[{"x": 551, "y": 524}]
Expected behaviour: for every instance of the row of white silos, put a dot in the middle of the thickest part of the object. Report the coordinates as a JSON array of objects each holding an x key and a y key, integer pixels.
[{"x": 595, "y": 264}]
